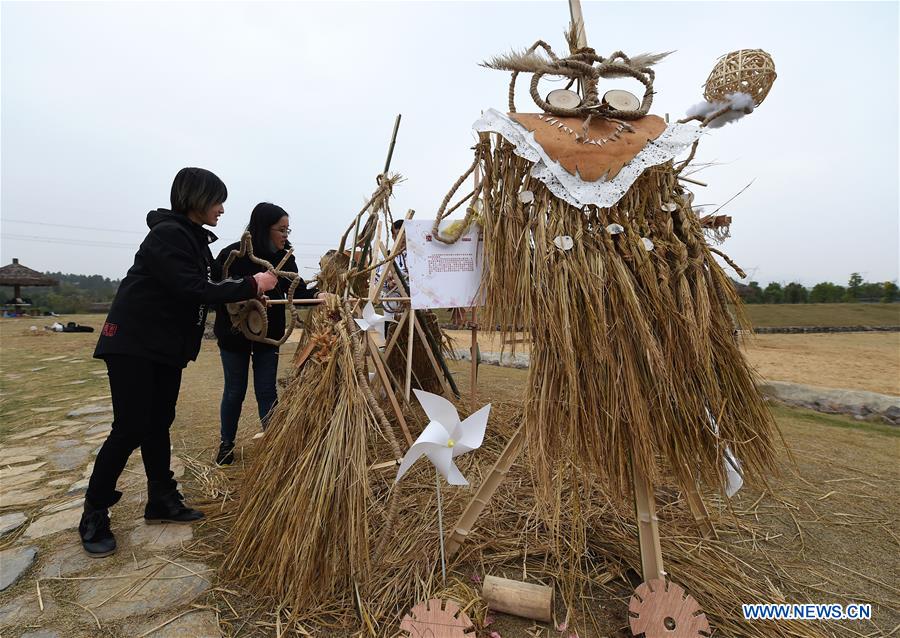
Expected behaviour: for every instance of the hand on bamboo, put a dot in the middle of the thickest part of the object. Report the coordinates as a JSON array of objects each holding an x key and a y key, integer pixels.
[
  {"x": 265, "y": 281},
  {"x": 323, "y": 295}
]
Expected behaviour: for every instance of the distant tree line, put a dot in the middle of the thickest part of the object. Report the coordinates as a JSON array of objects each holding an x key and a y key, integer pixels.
[
  {"x": 855, "y": 291},
  {"x": 93, "y": 293},
  {"x": 74, "y": 294}
]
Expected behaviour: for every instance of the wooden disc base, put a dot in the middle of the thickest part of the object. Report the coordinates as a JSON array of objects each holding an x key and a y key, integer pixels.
[
  {"x": 661, "y": 609},
  {"x": 436, "y": 618}
]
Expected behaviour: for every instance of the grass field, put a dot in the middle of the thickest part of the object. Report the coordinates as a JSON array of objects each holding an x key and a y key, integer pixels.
[
  {"x": 811, "y": 314},
  {"x": 855, "y": 361},
  {"x": 824, "y": 314},
  {"x": 830, "y": 516}
]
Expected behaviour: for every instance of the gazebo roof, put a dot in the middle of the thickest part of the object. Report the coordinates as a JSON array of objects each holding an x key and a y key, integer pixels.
[{"x": 15, "y": 274}]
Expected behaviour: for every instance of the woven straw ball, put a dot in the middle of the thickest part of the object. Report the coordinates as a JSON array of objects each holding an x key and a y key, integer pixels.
[{"x": 750, "y": 71}]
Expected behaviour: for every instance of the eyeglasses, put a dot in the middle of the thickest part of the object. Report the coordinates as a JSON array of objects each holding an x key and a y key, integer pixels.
[{"x": 283, "y": 231}]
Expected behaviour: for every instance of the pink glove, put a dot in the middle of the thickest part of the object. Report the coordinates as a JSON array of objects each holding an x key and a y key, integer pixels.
[{"x": 265, "y": 281}]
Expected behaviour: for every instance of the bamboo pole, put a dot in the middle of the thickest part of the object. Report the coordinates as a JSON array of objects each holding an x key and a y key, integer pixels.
[
  {"x": 388, "y": 387},
  {"x": 482, "y": 496},
  {"x": 527, "y": 600},
  {"x": 474, "y": 357},
  {"x": 387, "y": 162},
  {"x": 314, "y": 302},
  {"x": 648, "y": 525},
  {"x": 409, "y": 351},
  {"x": 377, "y": 241},
  {"x": 395, "y": 334},
  {"x": 473, "y": 381},
  {"x": 578, "y": 21},
  {"x": 387, "y": 165}
]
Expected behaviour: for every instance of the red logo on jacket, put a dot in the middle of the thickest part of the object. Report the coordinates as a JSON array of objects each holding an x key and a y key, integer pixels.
[{"x": 109, "y": 329}]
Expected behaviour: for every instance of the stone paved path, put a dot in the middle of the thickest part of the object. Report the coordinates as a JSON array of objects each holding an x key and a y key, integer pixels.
[{"x": 146, "y": 589}]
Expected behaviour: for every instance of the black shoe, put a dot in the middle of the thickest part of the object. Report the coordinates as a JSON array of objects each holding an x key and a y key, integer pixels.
[
  {"x": 226, "y": 453},
  {"x": 96, "y": 537},
  {"x": 164, "y": 504}
]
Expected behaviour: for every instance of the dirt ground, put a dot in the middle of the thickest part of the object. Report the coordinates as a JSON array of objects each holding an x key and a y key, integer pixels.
[
  {"x": 838, "y": 485},
  {"x": 856, "y": 360}
]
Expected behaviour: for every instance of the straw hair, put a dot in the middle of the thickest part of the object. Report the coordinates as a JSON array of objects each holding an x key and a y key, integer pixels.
[
  {"x": 632, "y": 349},
  {"x": 750, "y": 71}
]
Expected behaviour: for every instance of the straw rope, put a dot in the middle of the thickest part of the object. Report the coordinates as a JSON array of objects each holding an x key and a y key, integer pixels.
[
  {"x": 584, "y": 66},
  {"x": 240, "y": 313},
  {"x": 471, "y": 211}
]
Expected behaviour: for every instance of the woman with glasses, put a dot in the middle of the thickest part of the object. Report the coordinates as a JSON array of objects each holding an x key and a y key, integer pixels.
[{"x": 269, "y": 230}]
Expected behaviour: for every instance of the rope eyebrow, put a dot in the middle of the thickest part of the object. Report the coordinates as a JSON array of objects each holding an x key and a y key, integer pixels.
[{"x": 585, "y": 66}]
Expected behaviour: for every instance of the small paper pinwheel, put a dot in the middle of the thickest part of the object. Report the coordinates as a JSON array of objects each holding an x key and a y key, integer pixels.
[
  {"x": 372, "y": 320},
  {"x": 734, "y": 479},
  {"x": 445, "y": 438}
]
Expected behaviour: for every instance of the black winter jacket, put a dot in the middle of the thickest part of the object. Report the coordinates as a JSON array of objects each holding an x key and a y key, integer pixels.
[
  {"x": 230, "y": 338},
  {"x": 159, "y": 311}
]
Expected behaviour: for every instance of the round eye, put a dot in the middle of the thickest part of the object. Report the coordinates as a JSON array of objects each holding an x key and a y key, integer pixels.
[
  {"x": 564, "y": 99},
  {"x": 620, "y": 100}
]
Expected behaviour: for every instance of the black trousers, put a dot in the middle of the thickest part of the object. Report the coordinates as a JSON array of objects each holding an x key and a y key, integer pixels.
[{"x": 144, "y": 394}]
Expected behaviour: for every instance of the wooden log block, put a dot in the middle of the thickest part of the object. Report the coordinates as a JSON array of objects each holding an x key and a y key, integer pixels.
[{"x": 517, "y": 598}]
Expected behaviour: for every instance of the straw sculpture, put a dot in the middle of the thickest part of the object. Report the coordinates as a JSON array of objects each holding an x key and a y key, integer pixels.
[
  {"x": 633, "y": 363},
  {"x": 631, "y": 316},
  {"x": 303, "y": 533}
]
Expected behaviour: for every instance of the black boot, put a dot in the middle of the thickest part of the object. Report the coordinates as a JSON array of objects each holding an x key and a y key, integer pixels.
[
  {"x": 96, "y": 537},
  {"x": 226, "y": 453},
  {"x": 164, "y": 504}
]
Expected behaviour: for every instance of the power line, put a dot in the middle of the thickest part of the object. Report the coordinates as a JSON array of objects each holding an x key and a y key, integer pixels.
[
  {"x": 74, "y": 242},
  {"x": 107, "y": 230},
  {"x": 100, "y": 244},
  {"x": 117, "y": 230}
]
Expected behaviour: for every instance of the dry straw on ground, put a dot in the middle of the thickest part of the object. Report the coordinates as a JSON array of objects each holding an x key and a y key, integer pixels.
[{"x": 290, "y": 551}]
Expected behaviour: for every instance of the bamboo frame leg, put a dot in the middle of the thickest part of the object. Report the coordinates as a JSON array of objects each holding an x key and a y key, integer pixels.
[
  {"x": 699, "y": 511},
  {"x": 388, "y": 388},
  {"x": 648, "y": 525},
  {"x": 495, "y": 477},
  {"x": 409, "y": 352},
  {"x": 438, "y": 371},
  {"x": 474, "y": 358},
  {"x": 434, "y": 364},
  {"x": 395, "y": 334},
  {"x": 372, "y": 289}
]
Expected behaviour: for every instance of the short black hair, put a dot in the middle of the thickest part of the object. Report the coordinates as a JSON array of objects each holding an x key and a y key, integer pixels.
[
  {"x": 397, "y": 225},
  {"x": 196, "y": 189}
]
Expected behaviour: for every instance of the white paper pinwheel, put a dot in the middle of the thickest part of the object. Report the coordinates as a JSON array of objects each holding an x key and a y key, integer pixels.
[
  {"x": 734, "y": 479},
  {"x": 445, "y": 438},
  {"x": 372, "y": 320}
]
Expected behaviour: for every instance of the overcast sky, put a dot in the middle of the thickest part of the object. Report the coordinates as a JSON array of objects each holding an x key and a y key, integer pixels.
[{"x": 293, "y": 103}]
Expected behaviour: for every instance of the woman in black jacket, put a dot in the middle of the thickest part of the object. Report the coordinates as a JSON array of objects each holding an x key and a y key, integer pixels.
[
  {"x": 153, "y": 330},
  {"x": 269, "y": 229}
]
